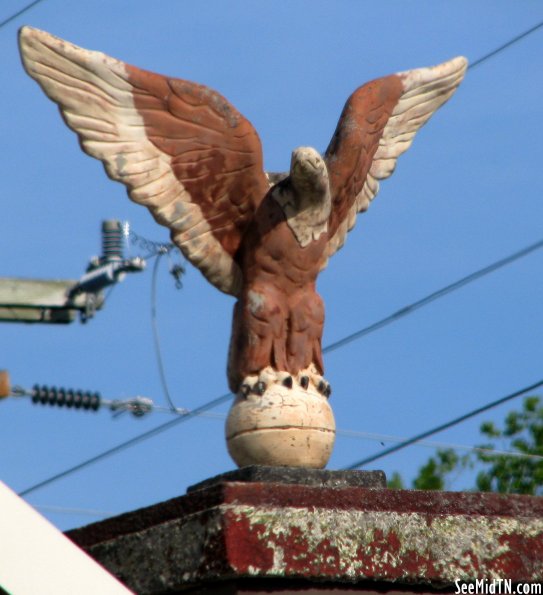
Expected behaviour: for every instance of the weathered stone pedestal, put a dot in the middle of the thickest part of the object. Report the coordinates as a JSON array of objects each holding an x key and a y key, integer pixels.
[{"x": 258, "y": 530}]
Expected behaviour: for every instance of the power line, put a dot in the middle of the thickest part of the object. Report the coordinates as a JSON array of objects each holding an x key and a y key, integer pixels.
[
  {"x": 156, "y": 337},
  {"x": 19, "y": 13},
  {"x": 409, "y": 309},
  {"x": 505, "y": 45},
  {"x": 128, "y": 443},
  {"x": 223, "y": 398},
  {"x": 141, "y": 406},
  {"x": 342, "y": 342},
  {"x": 73, "y": 511},
  {"x": 433, "y": 444},
  {"x": 444, "y": 426},
  {"x": 339, "y": 432},
  {"x": 152, "y": 247}
]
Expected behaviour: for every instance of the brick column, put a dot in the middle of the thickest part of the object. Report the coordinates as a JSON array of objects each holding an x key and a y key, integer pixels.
[{"x": 256, "y": 532}]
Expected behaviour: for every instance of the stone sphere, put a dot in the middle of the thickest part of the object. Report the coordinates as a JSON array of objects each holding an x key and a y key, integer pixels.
[{"x": 289, "y": 427}]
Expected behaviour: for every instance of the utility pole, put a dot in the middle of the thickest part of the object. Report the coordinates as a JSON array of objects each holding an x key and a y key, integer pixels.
[{"x": 54, "y": 301}]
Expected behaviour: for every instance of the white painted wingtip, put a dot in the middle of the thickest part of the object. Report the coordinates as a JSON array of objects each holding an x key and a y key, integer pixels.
[{"x": 448, "y": 74}]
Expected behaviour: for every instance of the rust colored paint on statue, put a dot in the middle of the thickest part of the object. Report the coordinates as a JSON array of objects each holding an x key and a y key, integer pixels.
[
  {"x": 356, "y": 138},
  {"x": 196, "y": 163},
  {"x": 279, "y": 317},
  {"x": 215, "y": 152}
]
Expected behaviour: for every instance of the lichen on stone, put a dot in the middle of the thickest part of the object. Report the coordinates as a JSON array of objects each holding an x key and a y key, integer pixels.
[{"x": 385, "y": 545}]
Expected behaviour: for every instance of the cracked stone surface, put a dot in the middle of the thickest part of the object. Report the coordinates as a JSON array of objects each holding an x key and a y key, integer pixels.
[{"x": 284, "y": 426}]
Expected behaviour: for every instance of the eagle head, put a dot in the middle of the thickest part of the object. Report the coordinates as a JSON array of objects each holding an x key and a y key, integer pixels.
[
  {"x": 308, "y": 172},
  {"x": 304, "y": 195}
]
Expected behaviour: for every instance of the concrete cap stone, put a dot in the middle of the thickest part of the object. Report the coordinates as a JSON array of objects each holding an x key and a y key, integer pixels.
[{"x": 344, "y": 536}]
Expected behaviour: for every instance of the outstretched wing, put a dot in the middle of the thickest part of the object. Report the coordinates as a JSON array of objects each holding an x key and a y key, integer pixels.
[
  {"x": 180, "y": 148},
  {"x": 377, "y": 125}
]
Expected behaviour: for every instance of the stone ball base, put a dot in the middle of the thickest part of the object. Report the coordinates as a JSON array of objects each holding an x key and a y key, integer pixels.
[{"x": 285, "y": 427}]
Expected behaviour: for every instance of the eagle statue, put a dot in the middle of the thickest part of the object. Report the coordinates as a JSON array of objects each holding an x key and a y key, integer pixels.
[{"x": 183, "y": 151}]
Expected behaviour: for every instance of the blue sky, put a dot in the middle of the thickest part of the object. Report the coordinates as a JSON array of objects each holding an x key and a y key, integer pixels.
[{"x": 467, "y": 193}]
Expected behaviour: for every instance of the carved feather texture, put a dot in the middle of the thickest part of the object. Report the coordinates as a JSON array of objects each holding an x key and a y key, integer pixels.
[
  {"x": 377, "y": 125},
  {"x": 180, "y": 148},
  {"x": 196, "y": 163}
]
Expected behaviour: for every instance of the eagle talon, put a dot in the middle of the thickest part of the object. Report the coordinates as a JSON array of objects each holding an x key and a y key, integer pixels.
[
  {"x": 298, "y": 223},
  {"x": 259, "y": 388},
  {"x": 324, "y": 388}
]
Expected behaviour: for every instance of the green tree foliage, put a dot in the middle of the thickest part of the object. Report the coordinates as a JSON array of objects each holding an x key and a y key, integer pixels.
[
  {"x": 522, "y": 433},
  {"x": 396, "y": 482},
  {"x": 433, "y": 474}
]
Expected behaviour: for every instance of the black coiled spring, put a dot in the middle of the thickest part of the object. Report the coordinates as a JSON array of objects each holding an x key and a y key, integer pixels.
[{"x": 61, "y": 397}]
